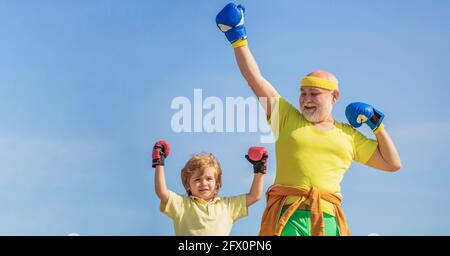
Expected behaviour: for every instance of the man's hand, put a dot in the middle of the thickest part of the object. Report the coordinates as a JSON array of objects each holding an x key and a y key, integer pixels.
[
  {"x": 258, "y": 157},
  {"x": 358, "y": 113},
  {"x": 230, "y": 20},
  {"x": 160, "y": 152}
]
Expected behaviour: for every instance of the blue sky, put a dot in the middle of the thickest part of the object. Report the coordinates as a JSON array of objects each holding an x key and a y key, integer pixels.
[{"x": 86, "y": 89}]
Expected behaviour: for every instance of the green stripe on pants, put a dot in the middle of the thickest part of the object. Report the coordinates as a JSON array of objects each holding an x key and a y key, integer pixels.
[{"x": 299, "y": 224}]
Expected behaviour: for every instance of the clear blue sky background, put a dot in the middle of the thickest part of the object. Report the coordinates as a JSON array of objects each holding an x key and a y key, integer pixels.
[{"x": 86, "y": 87}]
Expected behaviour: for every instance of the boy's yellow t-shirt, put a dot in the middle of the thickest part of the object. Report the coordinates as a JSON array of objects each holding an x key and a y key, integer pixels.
[
  {"x": 193, "y": 216},
  {"x": 307, "y": 157}
]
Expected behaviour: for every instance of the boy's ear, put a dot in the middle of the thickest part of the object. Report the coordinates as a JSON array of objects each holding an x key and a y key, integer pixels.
[{"x": 217, "y": 190}]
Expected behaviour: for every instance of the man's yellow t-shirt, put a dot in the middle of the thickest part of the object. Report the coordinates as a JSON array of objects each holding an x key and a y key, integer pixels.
[
  {"x": 193, "y": 216},
  {"x": 307, "y": 157}
]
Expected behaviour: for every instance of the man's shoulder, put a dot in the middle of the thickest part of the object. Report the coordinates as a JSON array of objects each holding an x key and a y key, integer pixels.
[
  {"x": 345, "y": 128},
  {"x": 287, "y": 108},
  {"x": 351, "y": 131}
]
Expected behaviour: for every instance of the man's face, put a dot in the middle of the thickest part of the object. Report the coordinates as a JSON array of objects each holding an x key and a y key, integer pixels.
[{"x": 316, "y": 103}]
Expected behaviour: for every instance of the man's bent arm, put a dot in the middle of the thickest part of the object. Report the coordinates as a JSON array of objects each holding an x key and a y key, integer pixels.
[{"x": 386, "y": 156}]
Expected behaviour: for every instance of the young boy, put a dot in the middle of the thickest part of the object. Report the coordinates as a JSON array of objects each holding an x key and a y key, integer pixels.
[{"x": 202, "y": 212}]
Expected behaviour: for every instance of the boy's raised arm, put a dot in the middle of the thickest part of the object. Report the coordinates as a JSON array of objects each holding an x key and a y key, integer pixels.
[
  {"x": 160, "y": 151},
  {"x": 258, "y": 157}
]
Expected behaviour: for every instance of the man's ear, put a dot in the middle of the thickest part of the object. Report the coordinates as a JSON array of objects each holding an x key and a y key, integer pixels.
[{"x": 335, "y": 94}]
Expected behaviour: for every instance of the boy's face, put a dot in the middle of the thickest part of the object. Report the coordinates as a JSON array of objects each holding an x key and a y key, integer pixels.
[{"x": 204, "y": 185}]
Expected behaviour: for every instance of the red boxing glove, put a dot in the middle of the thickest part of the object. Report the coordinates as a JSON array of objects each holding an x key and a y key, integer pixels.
[
  {"x": 161, "y": 150},
  {"x": 258, "y": 157}
]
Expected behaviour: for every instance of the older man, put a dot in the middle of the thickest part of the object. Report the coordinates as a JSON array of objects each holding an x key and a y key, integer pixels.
[{"x": 313, "y": 150}]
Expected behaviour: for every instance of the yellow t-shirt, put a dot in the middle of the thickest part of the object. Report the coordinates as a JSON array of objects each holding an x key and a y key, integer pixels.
[
  {"x": 193, "y": 216},
  {"x": 307, "y": 157}
]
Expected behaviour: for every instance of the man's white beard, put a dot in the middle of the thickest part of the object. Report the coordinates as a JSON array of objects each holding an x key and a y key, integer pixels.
[{"x": 319, "y": 114}]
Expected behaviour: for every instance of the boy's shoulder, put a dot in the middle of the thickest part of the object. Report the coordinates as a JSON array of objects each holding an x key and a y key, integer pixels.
[
  {"x": 232, "y": 198},
  {"x": 177, "y": 198}
]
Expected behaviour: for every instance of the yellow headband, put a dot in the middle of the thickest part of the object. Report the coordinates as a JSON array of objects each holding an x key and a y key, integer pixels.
[{"x": 319, "y": 82}]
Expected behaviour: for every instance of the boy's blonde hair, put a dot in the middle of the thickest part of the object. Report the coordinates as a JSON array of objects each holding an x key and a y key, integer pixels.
[{"x": 198, "y": 164}]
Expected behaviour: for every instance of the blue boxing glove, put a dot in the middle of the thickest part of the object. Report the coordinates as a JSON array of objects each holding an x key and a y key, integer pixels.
[
  {"x": 230, "y": 20},
  {"x": 358, "y": 113}
]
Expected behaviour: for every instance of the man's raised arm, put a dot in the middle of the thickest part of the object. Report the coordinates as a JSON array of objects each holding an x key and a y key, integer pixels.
[{"x": 230, "y": 20}]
